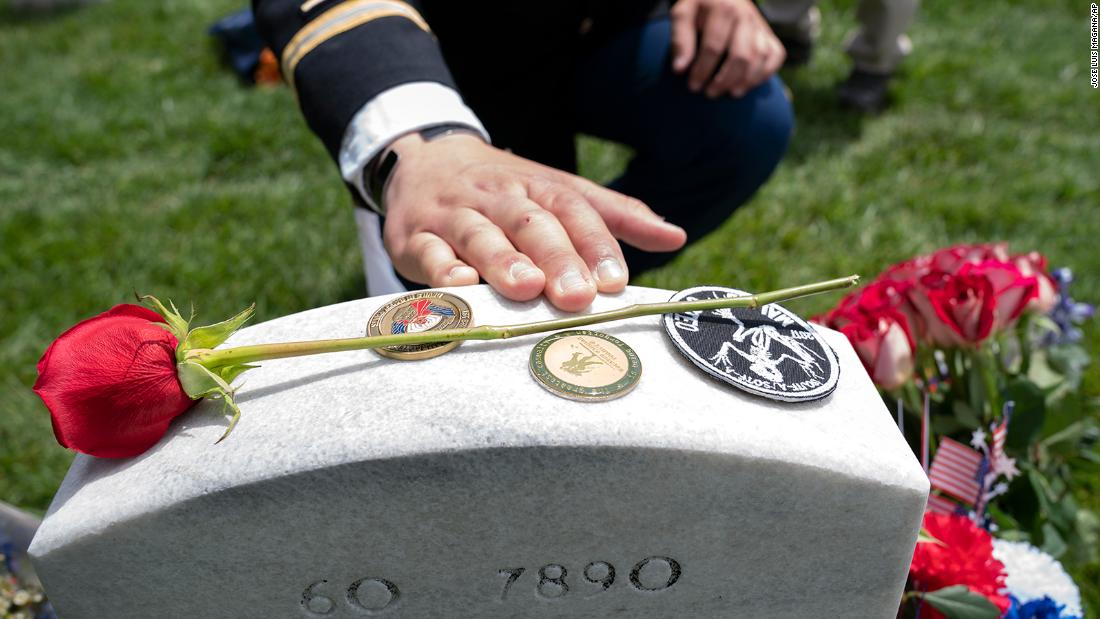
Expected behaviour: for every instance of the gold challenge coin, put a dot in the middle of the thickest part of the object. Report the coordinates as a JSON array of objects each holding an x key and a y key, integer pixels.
[
  {"x": 585, "y": 365},
  {"x": 418, "y": 312}
]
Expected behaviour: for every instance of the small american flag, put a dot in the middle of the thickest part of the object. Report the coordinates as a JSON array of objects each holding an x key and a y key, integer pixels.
[
  {"x": 1000, "y": 432},
  {"x": 955, "y": 471},
  {"x": 999, "y": 461},
  {"x": 942, "y": 505}
]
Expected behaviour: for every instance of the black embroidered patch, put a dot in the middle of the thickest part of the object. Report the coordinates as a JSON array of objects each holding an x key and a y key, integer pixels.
[{"x": 768, "y": 351}]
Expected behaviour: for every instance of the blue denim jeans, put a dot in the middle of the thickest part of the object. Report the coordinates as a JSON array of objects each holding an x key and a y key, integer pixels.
[{"x": 697, "y": 159}]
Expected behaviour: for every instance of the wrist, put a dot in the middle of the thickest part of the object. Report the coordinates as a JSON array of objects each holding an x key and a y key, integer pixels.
[
  {"x": 406, "y": 146},
  {"x": 410, "y": 148},
  {"x": 380, "y": 170},
  {"x": 412, "y": 145}
]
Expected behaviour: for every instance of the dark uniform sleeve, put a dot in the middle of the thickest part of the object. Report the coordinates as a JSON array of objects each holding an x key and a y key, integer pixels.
[{"x": 338, "y": 55}]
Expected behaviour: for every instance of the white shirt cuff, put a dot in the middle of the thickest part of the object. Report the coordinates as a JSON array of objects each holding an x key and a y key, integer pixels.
[{"x": 393, "y": 113}]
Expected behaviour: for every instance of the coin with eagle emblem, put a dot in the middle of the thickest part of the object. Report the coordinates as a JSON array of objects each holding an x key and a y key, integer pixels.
[
  {"x": 585, "y": 365},
  {"x": 429, "y": 310}
]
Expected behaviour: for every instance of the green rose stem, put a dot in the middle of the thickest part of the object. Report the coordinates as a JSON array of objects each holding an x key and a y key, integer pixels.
[{"x": 214, "y": 359}]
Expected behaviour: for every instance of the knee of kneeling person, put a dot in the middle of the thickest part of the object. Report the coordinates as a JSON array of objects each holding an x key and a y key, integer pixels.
[
  {"x": 754, "y": 135},
  {"x": 774, "y": 121},
  {"x": 764, "y": 128}
]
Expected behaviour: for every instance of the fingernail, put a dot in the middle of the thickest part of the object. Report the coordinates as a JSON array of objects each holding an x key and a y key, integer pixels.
[
  {"x": 572, "y": 280},
  {"x": 609, "y": 270},
  {"x": 521, "y": 270},
  {"x": 462, "y": 272}
]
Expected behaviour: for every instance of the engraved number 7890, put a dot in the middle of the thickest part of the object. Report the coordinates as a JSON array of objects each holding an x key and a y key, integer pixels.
[{"x": 553, "y": 583}]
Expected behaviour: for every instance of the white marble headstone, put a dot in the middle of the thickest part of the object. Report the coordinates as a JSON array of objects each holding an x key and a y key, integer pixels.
[{"x": 359, "y": 486}]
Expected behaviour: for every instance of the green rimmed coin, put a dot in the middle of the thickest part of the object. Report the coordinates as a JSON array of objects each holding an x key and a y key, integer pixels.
[{"x": 585, "y": 365}]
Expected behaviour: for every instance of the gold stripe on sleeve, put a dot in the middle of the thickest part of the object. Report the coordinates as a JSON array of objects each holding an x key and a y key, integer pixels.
[{"x": 340, "y": 19}]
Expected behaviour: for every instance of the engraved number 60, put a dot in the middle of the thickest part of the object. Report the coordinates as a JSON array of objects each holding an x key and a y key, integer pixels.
[{"x": 317, "y": 604}]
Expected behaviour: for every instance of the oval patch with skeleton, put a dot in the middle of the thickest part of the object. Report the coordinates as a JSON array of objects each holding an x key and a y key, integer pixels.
[{"x": 767, "y": 351}]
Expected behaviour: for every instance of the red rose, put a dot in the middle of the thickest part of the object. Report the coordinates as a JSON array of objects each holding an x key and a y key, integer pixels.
[
  {"x": 963, "y": 556},
  {"x": 1034, "y": 264},
  {"x": 1011, "y": 289},
  {"x": 110, "y": 383},
  {"x": 956, "y": 309},
  {"x": 894, "y": 295},
  {"x": 878, "y": 321},
  {"x": 881, "y": 295},
  {"x": 884, "y": 345}
]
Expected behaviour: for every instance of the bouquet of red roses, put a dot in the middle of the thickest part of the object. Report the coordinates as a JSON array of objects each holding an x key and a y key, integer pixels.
[
  {"x": 954, "y": 299},
  {"x": 956, "y": 339}
]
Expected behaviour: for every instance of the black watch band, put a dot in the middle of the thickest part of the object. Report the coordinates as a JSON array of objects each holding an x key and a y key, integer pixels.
[
  {"x": 378, "y": 172},
  {"x": 375, "y": 176}
]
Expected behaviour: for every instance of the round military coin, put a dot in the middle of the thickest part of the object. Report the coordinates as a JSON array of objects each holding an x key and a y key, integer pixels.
[
  {"x": 429, "y": 310},
  {"x": 585, "y": 365},
  {"x": 767, "y": 351}
]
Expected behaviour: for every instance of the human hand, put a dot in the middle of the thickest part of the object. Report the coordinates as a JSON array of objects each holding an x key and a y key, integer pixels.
[
  {"x": 457, "y": 209},
  {"x": 703, "y": 31}
]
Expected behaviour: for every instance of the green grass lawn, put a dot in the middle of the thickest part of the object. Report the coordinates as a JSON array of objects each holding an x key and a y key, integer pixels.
[{"x": 131, "y": 160}]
